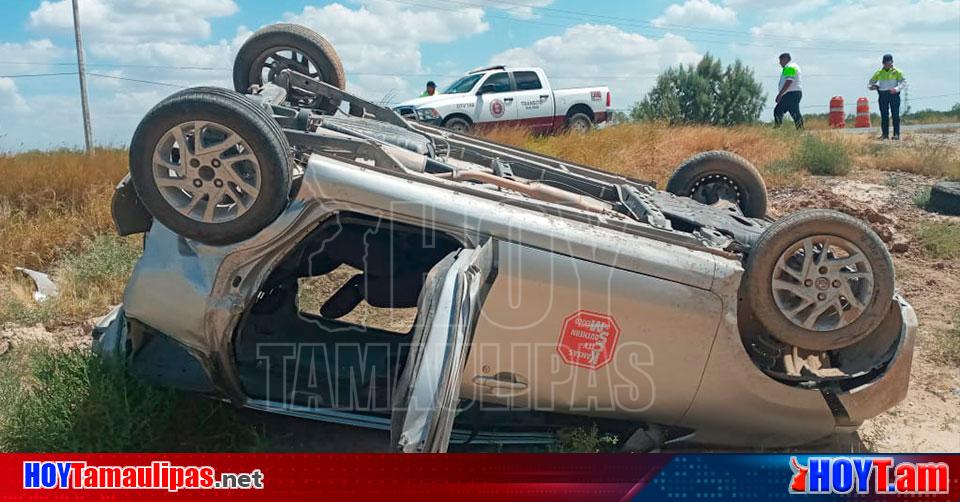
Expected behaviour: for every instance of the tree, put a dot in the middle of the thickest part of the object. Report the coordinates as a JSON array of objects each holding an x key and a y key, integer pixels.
[{"x": 703, "y": 94}]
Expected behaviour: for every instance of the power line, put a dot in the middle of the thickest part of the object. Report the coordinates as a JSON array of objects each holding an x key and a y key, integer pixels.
[
  {"x": 32, "y": 75},
  {"x": 138, "y": 80}
]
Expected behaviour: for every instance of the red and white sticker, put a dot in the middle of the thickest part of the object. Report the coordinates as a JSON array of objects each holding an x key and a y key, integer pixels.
[
  {"x": 496, "y": 108},
  {"x": 588, "y": 339}
]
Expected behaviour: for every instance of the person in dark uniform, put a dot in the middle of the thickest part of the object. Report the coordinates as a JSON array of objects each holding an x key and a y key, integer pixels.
[{"x": 888, "y": 82}]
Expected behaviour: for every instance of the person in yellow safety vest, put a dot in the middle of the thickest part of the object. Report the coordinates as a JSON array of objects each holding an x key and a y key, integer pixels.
[
  {"x": 431, "y": 89},
  {"x": 789, "y": 95},
  {"x": 888, "y": 82}
]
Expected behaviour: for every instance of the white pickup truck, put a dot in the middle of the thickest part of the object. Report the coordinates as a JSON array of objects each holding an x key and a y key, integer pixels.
[{"x": 499, "y": 95}]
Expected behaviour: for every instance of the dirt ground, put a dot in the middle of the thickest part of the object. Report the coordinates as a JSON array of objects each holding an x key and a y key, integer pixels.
[{"x": 928, "y": 420}]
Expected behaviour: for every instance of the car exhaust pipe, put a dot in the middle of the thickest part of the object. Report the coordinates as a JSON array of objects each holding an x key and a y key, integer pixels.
[{"x": 532, "y": 189}]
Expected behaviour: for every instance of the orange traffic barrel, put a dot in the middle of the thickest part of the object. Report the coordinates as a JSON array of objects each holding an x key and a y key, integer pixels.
[
  {"x": 836, "y": 118},
  {"x": 863, "y": 113}
]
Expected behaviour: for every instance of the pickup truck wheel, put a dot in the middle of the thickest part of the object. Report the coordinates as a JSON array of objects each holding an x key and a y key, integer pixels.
[
  {"x": 211, "y": 165},
  {"x": 277, "y": 47},
  {"x": 710, "y": 177},
  {"x": 819, "y": 280},
  {"x": 579, "y": 123},
  {"x": 458, "y": 125}
]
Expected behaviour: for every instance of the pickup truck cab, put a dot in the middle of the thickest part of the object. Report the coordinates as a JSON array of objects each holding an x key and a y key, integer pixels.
[{"x": 499, "y": 95}]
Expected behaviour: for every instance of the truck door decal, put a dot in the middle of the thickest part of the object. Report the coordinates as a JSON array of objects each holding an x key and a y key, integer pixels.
[{"x": 497, "y": 108}]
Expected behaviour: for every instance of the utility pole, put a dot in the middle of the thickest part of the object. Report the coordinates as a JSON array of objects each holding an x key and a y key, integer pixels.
[{"x": 82, "y": 71}]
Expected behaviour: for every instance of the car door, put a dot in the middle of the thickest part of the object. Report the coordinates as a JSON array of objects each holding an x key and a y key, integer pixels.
[
  {"x": 534, "y": 101},
  {"x": 496, "y": 103},
  {"x": 427, "y": 394}
]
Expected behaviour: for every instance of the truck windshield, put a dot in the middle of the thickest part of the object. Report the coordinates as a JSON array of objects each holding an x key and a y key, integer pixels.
[{"x": 463, "y": 84}]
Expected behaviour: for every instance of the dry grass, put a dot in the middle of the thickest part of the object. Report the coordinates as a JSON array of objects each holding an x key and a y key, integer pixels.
[
  {"x": 919, "y": 157},
  {"x": 946, "y": 343},
  {"x": 652, "y": 151},
  {"x": 89, "y": 282},
  {"x": 53, "y": 203}
]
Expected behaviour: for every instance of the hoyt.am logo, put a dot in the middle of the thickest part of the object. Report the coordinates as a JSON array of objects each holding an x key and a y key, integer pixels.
[{"x": 879, "y": 475}]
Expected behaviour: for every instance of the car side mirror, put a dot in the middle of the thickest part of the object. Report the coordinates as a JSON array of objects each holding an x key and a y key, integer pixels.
[{"x": 485, "y": 88}]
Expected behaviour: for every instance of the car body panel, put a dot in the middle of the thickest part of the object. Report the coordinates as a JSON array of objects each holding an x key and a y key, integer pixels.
[{"x": 665, "y": 328}]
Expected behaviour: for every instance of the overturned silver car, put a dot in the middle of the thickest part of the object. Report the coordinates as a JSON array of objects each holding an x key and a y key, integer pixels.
[{"x": 310, "y": 253}]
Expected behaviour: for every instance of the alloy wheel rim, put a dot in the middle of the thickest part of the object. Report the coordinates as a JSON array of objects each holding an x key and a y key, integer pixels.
[
  {"x": 206, "y": 171},
  {"x": 822, "y": 283}
]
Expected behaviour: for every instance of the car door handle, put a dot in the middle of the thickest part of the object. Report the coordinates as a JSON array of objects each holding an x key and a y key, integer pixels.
[
  {"x": 544, "y": 96},
  {"x": 501, "y": 383},
  {"x": 508, "y": 100}
]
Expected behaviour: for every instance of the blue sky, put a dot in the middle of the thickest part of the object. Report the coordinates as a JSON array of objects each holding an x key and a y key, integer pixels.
[{"x": 391, "y": 47}]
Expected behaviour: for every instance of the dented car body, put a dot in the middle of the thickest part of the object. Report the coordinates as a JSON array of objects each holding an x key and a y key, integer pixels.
[{"x": 537, "y": 290}]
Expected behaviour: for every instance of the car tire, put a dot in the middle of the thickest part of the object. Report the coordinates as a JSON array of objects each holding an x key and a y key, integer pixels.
[
  {"x": 244, "y": 164},
  {"x": 579, "y": 123},
  {"x": 945, "y": 198},
  {"x": 711, "y": 176},
  {"x": 250, "y": 63},
  {"x": 840, "y": 309},
  {"x": 458, "y": 125}
]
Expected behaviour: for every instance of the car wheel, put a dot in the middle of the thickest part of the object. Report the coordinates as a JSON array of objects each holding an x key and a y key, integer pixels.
[
  {"x": 714, "y": 176},
  {"x": 277, "y": 47},
  {"x": 211, "y": 165},
  {"x": 458, "y": 125},
  {"x": 819, "y": 280},
  {"x": 945, "y": 198},
  {"x": 579, "y": 123}
]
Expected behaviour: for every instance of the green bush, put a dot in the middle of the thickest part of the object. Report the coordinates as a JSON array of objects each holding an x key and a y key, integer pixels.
[
  {"x": 820, "y": 157},
  {"x": 706, "y": 93}
]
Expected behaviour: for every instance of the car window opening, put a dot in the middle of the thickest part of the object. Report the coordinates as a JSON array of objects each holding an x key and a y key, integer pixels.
[{"x": 333, "y": 322}]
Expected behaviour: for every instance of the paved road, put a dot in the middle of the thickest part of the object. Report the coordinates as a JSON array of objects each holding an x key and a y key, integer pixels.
[{"x": 903, "y": 128}]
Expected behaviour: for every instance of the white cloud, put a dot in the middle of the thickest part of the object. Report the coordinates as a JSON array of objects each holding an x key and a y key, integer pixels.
[
  {"x": 133, "y": 21},
  {"x": 32, "y": 51},
  {"x": 522, "y": 9},
  {"x": 142, "y": 31},
  {"x": 590, "y": 54},
  {"x": 921, "y": 19},
  {"x": 697, "y": 13},
  {"x": 10, "y": 98}
]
